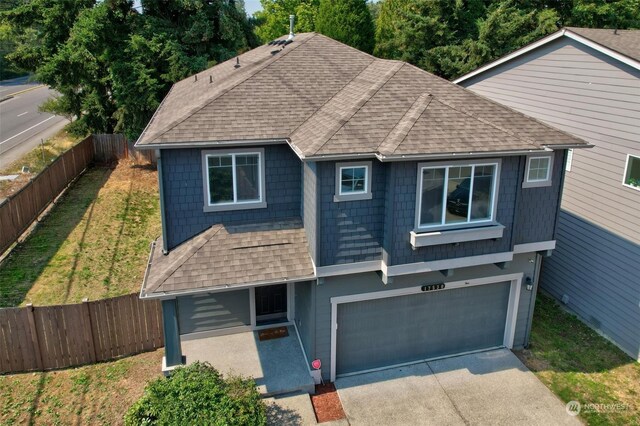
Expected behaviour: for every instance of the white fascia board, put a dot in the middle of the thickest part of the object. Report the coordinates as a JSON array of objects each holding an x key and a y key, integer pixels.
[
  {"x": 348, "y": 268},
  {"x": 425, "y": 239},
  {"x": 533, "y": 247},
  {"x": 511, "y": 56},
  {"x": 563, "y": 32}
]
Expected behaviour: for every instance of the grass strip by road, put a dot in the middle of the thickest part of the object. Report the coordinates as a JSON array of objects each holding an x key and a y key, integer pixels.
[
  {"x": 578, "y": 364},
  {"x": 36, "y": 160},
  {"x": 93, "y": 243},
  {"x": 93, "y": 394}
]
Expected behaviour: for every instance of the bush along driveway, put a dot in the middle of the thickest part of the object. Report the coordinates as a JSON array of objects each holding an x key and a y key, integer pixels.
[
  {"x": 94, "y": 243},
  {"x": 579, "y": 365}
]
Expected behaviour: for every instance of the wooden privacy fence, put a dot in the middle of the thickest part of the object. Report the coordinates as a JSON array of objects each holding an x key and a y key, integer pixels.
[
  {"x": 49, "y": 337},
  {"x": 19, "y": 211}
]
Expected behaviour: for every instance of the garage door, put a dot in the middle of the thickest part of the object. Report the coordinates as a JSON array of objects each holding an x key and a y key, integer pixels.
[{"x": 395, "y": 330}]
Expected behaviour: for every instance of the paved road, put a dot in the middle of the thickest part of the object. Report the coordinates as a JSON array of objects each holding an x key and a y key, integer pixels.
[{"x": 22, "y": 126}]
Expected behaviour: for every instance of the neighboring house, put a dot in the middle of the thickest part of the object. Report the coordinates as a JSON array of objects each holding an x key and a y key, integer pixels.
[
  {"x": 587, "y": 82},
  {"x": 387, "y": 214}
]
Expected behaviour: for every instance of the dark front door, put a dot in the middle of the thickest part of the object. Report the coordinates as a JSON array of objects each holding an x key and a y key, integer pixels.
[{"x": 271, "y": 304}]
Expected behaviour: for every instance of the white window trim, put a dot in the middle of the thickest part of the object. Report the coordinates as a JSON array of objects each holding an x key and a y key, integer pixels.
[
  {"x": 569, "y": 162},
  {"x": 626, "y": 169},
  {"x": 353, "y": 196},
  {"x": 538, "y": 183},
  {"x": 437, "y": 165},
  {"x": 234, "y": 205}
]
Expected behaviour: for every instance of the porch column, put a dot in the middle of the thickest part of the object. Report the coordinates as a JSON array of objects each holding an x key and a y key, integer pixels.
[{"x": 172, "y": 348}]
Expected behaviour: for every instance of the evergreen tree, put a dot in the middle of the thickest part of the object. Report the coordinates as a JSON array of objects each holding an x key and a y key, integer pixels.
[
  {"x": 273, "y": 20},
  {"x": 348, "y": 21}
]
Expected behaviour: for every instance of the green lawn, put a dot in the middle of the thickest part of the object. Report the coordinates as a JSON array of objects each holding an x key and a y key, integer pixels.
[
  {"x": 93, "y": 394},
  {"x": 94, "y": 243},
  {"x": 577, "y": 364}
]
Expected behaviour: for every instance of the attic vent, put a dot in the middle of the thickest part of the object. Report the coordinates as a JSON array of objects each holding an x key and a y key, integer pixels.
[{"x": 237, "y": 65}]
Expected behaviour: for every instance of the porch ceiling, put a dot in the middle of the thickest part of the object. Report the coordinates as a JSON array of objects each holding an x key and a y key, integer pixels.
[{"x": 226, "y": 256}]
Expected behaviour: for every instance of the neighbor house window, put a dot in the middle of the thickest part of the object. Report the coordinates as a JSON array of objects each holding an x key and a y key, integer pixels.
[
  {"x": 456, "y": 195},
  {"x": 353, "y": 181},
  {"x": 538, "y": 171},
  {"x": 233, "y": 179},
  {"x": 632, "y": 172}
]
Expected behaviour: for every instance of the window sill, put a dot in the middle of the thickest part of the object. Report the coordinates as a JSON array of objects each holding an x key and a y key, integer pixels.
[
  {"x": 456, "y": 236},
  {"x": 231, "y": 207},
  {"x": 352, "y": 197},
  {"x": 539, "y": 184}
]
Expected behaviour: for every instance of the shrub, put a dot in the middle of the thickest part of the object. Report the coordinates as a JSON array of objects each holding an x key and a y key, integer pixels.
[{"x": 198, "y": 394}]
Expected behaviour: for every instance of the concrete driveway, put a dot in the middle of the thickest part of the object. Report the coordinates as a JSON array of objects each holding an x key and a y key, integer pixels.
[{"x": 491, "y": 387}]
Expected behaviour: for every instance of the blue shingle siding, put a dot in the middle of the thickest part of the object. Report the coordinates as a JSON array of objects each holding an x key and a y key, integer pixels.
[
  {"x": 403, "y": 201},
  {"x": 184, "y": 199},
  {"x": 537, "y": 208},
  {"x": 310, "y": 207},
  {"x": 350, "y": 231}
]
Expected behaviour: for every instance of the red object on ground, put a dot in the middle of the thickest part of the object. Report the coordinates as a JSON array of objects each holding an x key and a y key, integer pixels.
[{"x": 326, "y": 403}]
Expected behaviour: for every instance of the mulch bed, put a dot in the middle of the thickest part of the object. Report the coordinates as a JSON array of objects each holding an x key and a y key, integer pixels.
[{"x": 326, "y": 403}]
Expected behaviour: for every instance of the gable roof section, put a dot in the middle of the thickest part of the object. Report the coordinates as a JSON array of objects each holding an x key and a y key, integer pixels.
[
  {"x": 623, "y": 45},
  {"x": 328, "y": 99}
]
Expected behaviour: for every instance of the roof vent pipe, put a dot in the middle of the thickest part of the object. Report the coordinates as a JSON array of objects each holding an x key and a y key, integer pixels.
[{"x": 292, "y": 19}]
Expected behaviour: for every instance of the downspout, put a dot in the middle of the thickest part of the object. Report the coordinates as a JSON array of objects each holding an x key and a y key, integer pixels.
[
  {"x": 532, "y": 301},
  {"x": 163, "y": 219}
]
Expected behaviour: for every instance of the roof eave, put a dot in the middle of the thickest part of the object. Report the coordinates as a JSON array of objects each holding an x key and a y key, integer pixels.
[
  {"x": 214, "y": 289},
  {"x": 211, "y": 144},
  {"x": 454, "y": 155}
]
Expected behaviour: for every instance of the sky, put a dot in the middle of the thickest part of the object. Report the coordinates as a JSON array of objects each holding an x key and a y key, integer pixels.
[{"x": 252, "y": 6}]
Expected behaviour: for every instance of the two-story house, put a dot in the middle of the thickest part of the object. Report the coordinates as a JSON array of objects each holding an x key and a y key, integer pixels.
[
  {"x": 384, "y": 214},
  {"x": 586, "y": 81}
]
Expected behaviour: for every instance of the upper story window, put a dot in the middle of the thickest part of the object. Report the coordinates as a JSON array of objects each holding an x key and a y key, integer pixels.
[
  {"x": 632, "y": 172},
  {"x": 456, "y": 196},
  {"x": 538, "y": 173},
  {"x": 234, "y": 180},
  {"x": 353, "y": 181}
]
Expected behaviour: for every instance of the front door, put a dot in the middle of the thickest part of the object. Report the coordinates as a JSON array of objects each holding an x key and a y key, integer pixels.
[{"x": 271, "y": 304}]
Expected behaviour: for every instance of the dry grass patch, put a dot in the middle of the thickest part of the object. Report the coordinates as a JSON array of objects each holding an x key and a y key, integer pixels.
[
  {"x": 577, "y": 364},
  {"x": 37, "y": 159},
  {"x": 94, "y": 243},
  {"x": 93, "y": 394}
]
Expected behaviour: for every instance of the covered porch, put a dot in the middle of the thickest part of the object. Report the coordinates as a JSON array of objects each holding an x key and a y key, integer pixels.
[{"x": 277, "y": 364}]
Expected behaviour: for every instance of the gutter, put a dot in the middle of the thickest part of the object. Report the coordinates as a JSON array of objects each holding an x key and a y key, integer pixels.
[
  {"x": 206, "y": 144},
  {"x": 451, "y": 155}
]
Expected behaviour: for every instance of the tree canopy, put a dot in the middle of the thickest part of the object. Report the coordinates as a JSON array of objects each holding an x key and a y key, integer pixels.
[
  {"x": 113, "y": 64},
  {"x": 348, "y": 21}
]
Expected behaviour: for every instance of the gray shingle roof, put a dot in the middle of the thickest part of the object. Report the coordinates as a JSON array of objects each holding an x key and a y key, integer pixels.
[
  {"x": 327, "y": 98},
  {"x": 229, "y": 256},
  {"x": 626, "y": 42}
]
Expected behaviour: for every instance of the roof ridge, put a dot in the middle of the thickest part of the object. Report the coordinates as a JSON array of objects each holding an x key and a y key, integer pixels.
[
  {"x": 192, "y": 250},
  {"x": 388, "y": 76},
  {"x": 264, "y": 65},
  {"x": 397, "y": 131}
]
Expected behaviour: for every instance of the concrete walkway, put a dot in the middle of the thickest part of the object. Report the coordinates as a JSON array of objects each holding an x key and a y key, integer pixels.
[
  {"x": 484, "y": 388},
  {"x": 277, "y": 365}
]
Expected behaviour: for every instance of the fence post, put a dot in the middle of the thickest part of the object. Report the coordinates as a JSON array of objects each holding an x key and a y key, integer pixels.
[
  {"x": 89, "y": 337},
  {"x": 34, "y": 336}
]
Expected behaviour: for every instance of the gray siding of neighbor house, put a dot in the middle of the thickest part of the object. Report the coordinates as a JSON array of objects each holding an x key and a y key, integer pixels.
[
  {"x": 350, "y": 231},
  {"x": 310, "y": 207},
  {"x": 584, "y": 92},
  {"x": 305, "y": 315},
  {"x": 370, "y": 282},
  {"x": 213, "y": 311},
  {"x": 184, "y": 199}
]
